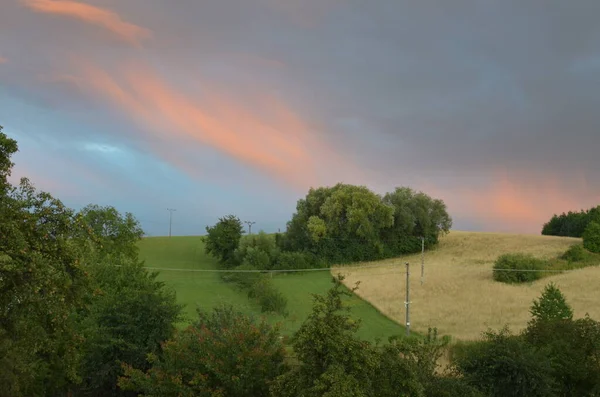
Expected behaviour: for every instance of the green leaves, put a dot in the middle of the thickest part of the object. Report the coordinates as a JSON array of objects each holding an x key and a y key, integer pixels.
[
  {"x": 551, "y": 306},
  {"x": 225, "y": 353},
  {"x": 223, "y": 238},
  {"x": 347, "y": 223},
  {"x": 591, "y": 237}
]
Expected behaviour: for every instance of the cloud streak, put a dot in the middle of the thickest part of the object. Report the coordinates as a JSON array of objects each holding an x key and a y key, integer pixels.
[
  {"x": 268, "y": 135},
  {"x": 105, "y": 18}
]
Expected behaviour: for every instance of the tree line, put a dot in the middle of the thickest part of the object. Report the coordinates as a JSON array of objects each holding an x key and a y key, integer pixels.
[{"x": 571, "y": 224}]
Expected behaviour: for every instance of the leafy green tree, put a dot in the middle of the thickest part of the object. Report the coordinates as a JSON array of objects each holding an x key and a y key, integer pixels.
[
  {"x": 225, "y": 353},
  {"x": 505, "y": 365},
  {"x": 42, "y": 280},
  {"x": 418, "y": 215},
  {"x": 571, "y": 224},
  {"x": 339, "y": 223},
  {"x": 128, "y": 316},
  {"x": 334, "y": 362},
  {"x": 128, "y": 313},
  {"x": 223, "y": 238},
  {"x": 552, "y": 305},
  {"x": 573, "y": 345},
  {"x": 591, "y": 237},
  {"x": 116, "y": 235}
]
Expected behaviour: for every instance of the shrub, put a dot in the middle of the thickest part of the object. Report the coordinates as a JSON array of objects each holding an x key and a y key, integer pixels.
[
  {"x": 505, "y": 365},
  {"x": 518, "y": 268},
  {"x": 270, "y": 299},
  {"x": 297, "y": 260},
  {"x": 574, "y": 348},
  {"x": 226, "y": 353},
  {"x": 591, "y": 237},
  {"x": 575, "y": 253},
  {"x": 254, "y": 243}
]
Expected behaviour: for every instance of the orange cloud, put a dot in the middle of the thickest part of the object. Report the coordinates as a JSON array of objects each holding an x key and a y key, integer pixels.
[
  {"x": 513, "y": 204},
  {"x": 102, "y": 17},
  {"x": 3, "y": 60},
  {"x": 264, "y": 133}
]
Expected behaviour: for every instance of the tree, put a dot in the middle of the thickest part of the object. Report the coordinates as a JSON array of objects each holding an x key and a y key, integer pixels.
[
  {"x": 225, "y": 353},
  {"x": 339, "y": 223},
  {"x": 223, "y": 238},
  {"x": 551, "y": 306},
  {"x": 115, "y": 235},
  {"x": 42, "y": 280},
  {"x": 591, "y": 237},
  {"x": 571, "y": 224},
  {"x": 418, "y": 215},
  {"x": 505, "y": 365},
  {"x": 129, "y": 313},
  {"x": 572, "y": 345},
  {"x": 334, "y": 362}
]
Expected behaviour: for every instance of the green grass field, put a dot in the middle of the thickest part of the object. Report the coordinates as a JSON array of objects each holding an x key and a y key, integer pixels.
[{"x": 182, "y": 255}]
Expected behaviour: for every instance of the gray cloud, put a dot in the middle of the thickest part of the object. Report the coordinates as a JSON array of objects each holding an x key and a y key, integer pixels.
[{"x": 434, "y": 92}]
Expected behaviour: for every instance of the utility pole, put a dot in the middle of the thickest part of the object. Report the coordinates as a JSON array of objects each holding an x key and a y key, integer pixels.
[
  {"x": 249, "y": 223},
  {"x": 407, "y": 302},
  {"x": 422, "y": 259},
  {"x": 170, "y": 218}
]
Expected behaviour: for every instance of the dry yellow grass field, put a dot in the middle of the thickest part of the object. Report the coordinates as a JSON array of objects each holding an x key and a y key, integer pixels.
[{"x": 459, "y": 296}]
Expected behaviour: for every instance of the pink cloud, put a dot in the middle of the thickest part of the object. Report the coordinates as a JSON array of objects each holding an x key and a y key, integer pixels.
[
  {"x": 264, "y": 133},
  {"x": 105, "y": 18}
]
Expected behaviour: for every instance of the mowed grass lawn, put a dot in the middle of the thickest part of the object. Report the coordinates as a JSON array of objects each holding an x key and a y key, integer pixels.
[
  {"x": 182, "y": 255},
  {"x": 459, "y": 295}
]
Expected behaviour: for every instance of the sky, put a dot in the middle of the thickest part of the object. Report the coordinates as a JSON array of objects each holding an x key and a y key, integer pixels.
[{"x": 240, "y": 106}]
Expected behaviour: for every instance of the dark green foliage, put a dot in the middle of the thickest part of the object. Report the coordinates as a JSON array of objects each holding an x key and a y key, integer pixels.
[
  {"x": 576, "y": 253},
  {"x": 296, "y": 260},
  {"x": 225, "y": 353},
  {"x": 116, "y": 235},
  {"x": 270, "y": 299},
  {"x": 347, "y": 223},
  {"x": 518, "y": 268},
  {"x": 259, "y": 287},
  {"x": 451, "y": 386},
  {"x": 223, "y": 238},
  {"x": 571, "y": 224},
  {"x": 551, "y": 306},
  {"x": 591, "y": 237},
  {"x": 129, "y": 315},
  {"x": 42, "y": 280},
  {"x": 505, "y": 365},
  {"x": 574, "y": 345},
  {"x": 334, "y": 362}
]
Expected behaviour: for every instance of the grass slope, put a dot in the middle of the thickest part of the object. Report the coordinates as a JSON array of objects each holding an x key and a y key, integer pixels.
[
  {"x": 459, "y": 296},
  {"x": 207, "y": 290}
]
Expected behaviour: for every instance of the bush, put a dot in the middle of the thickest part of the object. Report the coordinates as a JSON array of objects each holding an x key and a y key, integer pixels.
[
  {"x": 270, "y": 299},
  {"x": 505, "y": 365},
  {"x": 518, "y": 268},
  {"x": 226, "y": 353},
  {"x": 254, "y": 244},
  {"x": 297, "y": 260},
  {"x": 576, "y": 253},
  {"x": 591, "y": 237}
]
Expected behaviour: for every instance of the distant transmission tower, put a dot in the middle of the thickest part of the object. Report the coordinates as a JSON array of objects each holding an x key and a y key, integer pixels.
[
  {"x": 170, "y": 218},
  {"x": 249, "y": 223}
]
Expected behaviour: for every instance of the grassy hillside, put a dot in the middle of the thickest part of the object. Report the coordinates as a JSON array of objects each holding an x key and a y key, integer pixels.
[
  {"x": 459, "y": 296},
  {"x": 182, "y": 255}
]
